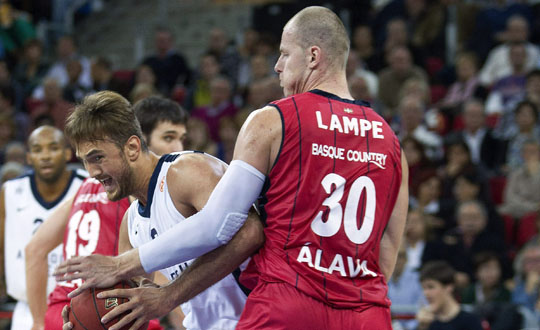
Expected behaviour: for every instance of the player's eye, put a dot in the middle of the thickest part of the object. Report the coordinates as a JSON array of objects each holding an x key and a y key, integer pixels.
[
  {"x": 95, "y": 159},
  {"x": 168, "y": 138}
]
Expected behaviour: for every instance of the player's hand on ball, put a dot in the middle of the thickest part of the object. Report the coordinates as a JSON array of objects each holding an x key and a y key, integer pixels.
[
  {"x": 65, "y": 316},
  {"x": 96, "y": 270},
  {"x": 145, "y": 303}
]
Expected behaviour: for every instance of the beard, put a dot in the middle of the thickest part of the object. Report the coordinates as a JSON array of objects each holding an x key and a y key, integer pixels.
[{"x": 125, "y": 183}]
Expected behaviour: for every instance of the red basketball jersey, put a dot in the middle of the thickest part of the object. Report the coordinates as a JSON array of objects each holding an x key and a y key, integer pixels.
[
  {"x": 328, "y": 200},
  {"x": 93, "y": 228}
]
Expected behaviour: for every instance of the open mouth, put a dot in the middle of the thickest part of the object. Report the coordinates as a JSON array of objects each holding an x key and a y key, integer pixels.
[{"x": 107, "y": 183}]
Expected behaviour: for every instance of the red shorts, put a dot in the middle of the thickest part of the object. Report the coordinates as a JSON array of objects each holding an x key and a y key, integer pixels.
[
  {"x": 281, "y": 306},
  {"x": 53, "y": 318}
]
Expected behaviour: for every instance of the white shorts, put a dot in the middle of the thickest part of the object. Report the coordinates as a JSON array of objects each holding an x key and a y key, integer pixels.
[{"x": 22, "y": 318}]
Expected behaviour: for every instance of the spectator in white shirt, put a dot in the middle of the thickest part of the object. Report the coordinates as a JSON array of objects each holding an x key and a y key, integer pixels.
[{"x": 497, "y": 65}]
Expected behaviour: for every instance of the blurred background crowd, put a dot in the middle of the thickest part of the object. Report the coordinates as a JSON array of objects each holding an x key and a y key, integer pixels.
[{"x": 458, "y": 80}]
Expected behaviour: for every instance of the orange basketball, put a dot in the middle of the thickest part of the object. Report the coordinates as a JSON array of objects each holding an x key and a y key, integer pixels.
[{"x": 87, "y": 310}]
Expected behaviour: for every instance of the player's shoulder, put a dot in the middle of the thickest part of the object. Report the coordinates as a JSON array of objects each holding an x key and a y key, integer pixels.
[
  {"x": 23, "y": 177},
  {"x": 262, "y": 119},
  {"x": 20, "y": 181},
  {"x": 194, "y": 163}
]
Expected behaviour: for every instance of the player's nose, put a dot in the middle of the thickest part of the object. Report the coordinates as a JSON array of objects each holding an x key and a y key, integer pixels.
[{"x": 94, "y": 171}]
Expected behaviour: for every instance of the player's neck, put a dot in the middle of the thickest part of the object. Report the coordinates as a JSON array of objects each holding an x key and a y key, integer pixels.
[
  {"x": 335, "y": 83},
  {"x": 144, "y": 170},
  {"x": 51, "y": 191}
]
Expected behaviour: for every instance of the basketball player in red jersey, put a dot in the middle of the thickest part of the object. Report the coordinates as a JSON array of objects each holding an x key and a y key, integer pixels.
[
  {"x": 89, "y": 222},
  {"x": 335, "y": 204}
]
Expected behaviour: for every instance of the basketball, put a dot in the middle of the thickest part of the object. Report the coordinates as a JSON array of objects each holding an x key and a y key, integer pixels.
[{"x": 87, "y": 310}]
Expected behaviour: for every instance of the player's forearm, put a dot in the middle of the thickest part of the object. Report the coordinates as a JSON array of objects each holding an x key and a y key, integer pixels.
[
  {"x": 128, "y": 265},
  {"x": 215, "y": 265},
  {"x": 388, "y": 256},
  {"x": 214, "y": 225},
  {"x": 36, "y": 283}
]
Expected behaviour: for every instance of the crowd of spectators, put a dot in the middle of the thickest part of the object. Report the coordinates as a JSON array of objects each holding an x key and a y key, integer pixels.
[{"x": 459, "y": 81}]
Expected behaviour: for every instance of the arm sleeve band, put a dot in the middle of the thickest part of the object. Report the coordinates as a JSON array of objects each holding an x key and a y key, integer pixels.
[{"x": 223, "y": 215}]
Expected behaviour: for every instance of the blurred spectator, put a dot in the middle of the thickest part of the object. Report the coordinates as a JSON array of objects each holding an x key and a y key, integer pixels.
[
  {"x": 488, "y": 286},
  {"x": 103, "y": 78},
  {"x": 411, "y": 110},
  {"x": 257, "y": 69},
  {"x": 267, "y": 45},
  {"x": 526, "y": 122},
  {"x": 508, "y": 91},
  {"x": 489, "y": 296},
  {"x": 10, "y": 170},
  {"x": 220, "y": 106},
  {"x": 465, "y": 88},
  {"x": 248, "y": 47},
  {"x": 6, "y": 79},
  {"x": 392, "y": 78},
  {"x": 141, "y": 91},
  {"x": 362, "y": 44},
  {"x": 145, "y": 75},
  {"x": 7, "y": 134},
  {"x": 420, "y": 89},
  {"x": 417, "y": 233},
  {"x": 521, "y": 192},
  {"x": 428, "y": 195},
  {"x": 527, "y": 280},
  {"x": 31, "y": 68},
  {"x": 443, "y": 311},
  {"x": 397, "y": 36},
  {"x": 228, "y": 131},
  {"x": 486, "y": 150},
  {"x": 16, "y": 152},
  {"x": 7, "y": 107},
  {"x": 460, "y": 244},
  {"x": 198, "y": 137},
  {"x": 74, "y": 92},
  {"x": 471, "y": 186},
  {"x": 355, "y": 68},
  {"x": 359, "y": 89},
  {"x": 404, "y": 287},
  {"x": 169, "y": 65},
  {"x": 497, "y": 65},
  {"x": 199, "y": 90},
  {"x": 53, "y": 104},
  {"x": 226, "y": 54},
  {"x": 458, "y": 161},
  {"x": 15, "y": 28},
  {"x": 534, "y": 241},
  {"x": 66, "y": 50},
  {"x": 420, "y": 166},
  {"x": 532, "y": 87}
]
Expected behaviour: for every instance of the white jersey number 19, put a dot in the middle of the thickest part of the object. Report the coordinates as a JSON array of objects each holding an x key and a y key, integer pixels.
[{"x": 87, "y": 228}]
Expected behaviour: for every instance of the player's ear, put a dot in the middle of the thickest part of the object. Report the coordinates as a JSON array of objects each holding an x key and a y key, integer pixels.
[
  {"x": 314, "y": 57},
  {"x": 132, "y": 148}
]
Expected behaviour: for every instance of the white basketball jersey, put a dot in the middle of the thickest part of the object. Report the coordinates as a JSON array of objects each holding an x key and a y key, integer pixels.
[
  {"x": 218, "y": 307},
  {"x": 25, "y": 212}
]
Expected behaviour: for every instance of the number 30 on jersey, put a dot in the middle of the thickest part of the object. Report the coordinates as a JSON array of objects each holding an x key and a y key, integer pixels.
[{"x": 336, "y": 215}]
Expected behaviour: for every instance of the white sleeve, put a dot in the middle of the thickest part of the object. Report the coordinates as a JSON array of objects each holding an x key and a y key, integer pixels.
[{"x": 214, "y": 225}]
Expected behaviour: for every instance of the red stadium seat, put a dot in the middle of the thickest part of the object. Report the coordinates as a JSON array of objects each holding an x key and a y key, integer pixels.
[{"x": 496, "y": 188}]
